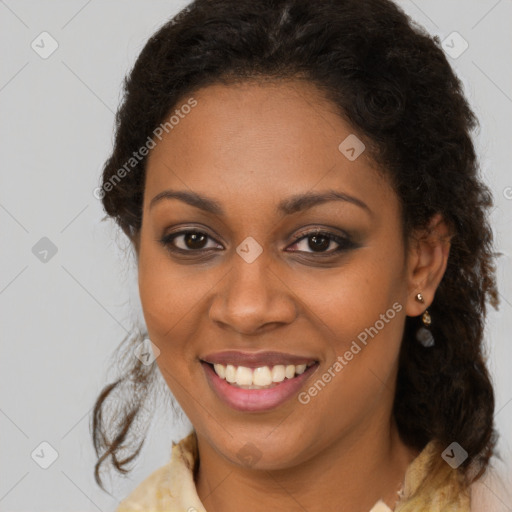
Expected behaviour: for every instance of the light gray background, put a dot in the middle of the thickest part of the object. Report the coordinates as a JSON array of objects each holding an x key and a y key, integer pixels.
[{"x": 62, "y": 319}]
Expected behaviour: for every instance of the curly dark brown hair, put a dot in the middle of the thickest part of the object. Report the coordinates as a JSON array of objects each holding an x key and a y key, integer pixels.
[{"x": 392, "y": 82}]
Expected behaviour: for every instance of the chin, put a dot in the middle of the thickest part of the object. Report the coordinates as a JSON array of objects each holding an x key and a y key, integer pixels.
[{"x": 265, "y": 450}]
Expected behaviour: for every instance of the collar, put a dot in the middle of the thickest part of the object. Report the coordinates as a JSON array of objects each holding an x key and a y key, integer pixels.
[{"x": 171, "y": 488}]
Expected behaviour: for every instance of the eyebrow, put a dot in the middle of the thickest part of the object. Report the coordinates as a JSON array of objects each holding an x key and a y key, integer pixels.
[{"x": 288, "y": 206}]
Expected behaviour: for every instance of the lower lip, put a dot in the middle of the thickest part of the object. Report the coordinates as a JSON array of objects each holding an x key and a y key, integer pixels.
[{"x": 255, "y": 400}]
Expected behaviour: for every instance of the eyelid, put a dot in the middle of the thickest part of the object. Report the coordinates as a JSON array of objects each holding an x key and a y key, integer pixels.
[
  {"x": 167, "y": 240},
  {"x": 344, "y": 241}
]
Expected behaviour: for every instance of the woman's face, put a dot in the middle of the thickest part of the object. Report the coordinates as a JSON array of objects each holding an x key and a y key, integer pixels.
[{"x": 256, "y": 170}]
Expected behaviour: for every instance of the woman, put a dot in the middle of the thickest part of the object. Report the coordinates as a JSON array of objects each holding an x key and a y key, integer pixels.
[{"x": 301, "y": 190}]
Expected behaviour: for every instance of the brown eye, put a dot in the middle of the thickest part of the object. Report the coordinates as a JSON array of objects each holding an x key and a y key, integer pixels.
[
  {"x": 318, "y": 243},
  {"x": 189, "y": 241},
  {"x": 321, "y": 243},
  {"x": 195, "y": 240}
]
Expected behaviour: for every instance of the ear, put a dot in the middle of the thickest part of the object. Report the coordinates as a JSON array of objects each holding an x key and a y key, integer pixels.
[{"x": 427, "y": 259}]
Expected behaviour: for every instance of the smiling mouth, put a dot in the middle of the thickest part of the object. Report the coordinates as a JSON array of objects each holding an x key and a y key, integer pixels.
[{"x": 263, "y": 377}]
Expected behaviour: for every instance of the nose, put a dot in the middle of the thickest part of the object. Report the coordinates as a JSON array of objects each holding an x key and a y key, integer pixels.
[{"x": 252, "y": 299}]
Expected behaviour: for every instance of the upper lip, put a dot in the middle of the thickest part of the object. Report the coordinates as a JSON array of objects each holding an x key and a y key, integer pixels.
[{"x": 255, "y": 359}]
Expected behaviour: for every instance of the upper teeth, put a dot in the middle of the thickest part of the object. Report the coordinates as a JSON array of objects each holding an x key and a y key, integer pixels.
[{"x": 262, "y": 376}]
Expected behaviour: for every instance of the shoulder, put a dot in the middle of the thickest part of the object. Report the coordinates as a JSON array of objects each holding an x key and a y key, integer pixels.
[
  {"x": 493, "y": 491},
  {"x": 434, "y": 486},
  {"x": 150, "y": 495},
  {"x": 171, "y": 487}
]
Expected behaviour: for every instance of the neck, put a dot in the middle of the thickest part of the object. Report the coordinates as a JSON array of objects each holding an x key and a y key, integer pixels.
[{"x": 350, "y": 475}]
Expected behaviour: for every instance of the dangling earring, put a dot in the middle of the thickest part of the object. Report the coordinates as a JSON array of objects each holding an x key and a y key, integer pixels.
[{"x": 424, "y": 335}]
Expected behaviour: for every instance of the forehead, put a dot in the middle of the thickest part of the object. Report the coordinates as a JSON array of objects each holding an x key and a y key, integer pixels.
[{"x": 251, "y": 140}]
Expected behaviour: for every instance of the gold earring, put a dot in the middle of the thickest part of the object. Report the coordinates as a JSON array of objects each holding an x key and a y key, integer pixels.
[{"x": 423, "y": 334}]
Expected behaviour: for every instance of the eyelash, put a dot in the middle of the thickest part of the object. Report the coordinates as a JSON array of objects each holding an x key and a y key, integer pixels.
[{"x": 344, "y": 243}]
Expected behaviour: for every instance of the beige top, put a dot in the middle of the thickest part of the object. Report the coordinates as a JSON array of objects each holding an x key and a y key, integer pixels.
[{"x": 171, "y": 488}]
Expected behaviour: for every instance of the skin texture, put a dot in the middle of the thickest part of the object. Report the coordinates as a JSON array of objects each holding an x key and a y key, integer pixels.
[{"x": 250, "y": 146}]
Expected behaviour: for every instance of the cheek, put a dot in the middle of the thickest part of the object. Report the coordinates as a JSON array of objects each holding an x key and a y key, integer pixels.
[
  {"x": 359, "y": 311},
  {"x": 348, "y": 299},
  {"x": 168, "y": 300},
  {"x": 358, "y": 375},
  {"x": 166, "y": 295},
  {"x": 167, "y": 291}
]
